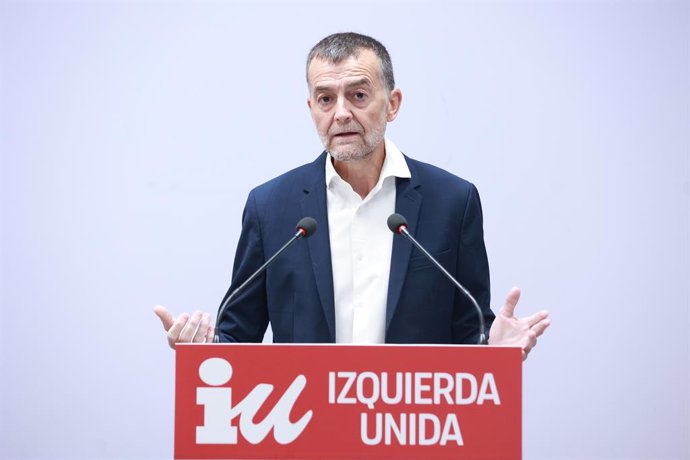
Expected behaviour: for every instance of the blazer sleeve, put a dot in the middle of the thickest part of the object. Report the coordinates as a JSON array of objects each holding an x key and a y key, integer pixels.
[
  {"x": 246, "y": 318},
  {"x": 473, "y": 274}
]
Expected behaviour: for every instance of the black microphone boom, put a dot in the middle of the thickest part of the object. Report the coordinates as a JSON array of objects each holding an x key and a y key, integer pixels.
[
  {"x": 398, "y": 224},
  {"x": 306, "y": 227}
]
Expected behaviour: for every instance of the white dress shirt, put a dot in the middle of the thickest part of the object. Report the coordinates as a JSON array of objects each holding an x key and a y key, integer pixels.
[{"x": 361, "y": 246}]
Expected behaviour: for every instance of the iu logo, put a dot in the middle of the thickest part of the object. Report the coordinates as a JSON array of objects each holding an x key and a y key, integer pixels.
[{"x": 220, "y": 414}]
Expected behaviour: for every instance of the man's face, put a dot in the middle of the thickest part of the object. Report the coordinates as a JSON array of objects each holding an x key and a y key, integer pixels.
[{"x": 350, "y": 105}]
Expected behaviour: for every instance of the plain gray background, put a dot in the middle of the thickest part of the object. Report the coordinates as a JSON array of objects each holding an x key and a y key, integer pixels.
[{"x": 131, "y": 133}]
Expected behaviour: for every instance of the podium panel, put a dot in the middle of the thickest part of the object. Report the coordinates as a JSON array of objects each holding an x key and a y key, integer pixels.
[{"x": 335, "y": 402}]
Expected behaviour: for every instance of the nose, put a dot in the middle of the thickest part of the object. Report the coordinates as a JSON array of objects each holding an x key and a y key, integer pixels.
[{"x": 343, "y": 114}]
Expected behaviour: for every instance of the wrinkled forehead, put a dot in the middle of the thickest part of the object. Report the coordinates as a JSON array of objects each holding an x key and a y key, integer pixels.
[{"x": 364, "y": 66}]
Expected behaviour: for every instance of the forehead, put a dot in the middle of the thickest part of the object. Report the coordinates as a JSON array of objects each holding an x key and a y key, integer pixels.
[{"x": 363, "y": 67}]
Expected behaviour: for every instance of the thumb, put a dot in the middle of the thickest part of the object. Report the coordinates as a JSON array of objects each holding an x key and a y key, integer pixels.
[
  {"x": 510, "y": 303},
  {"x": 165, "y": 316}
]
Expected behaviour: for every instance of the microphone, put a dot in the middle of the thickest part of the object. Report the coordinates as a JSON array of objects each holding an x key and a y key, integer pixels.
[
  {"x": 398, "y": 224},
  {"x": 306, "y": 227}
]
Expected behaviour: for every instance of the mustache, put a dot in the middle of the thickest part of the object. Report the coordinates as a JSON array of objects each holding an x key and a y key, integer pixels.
[{"x": 351, "y": 128}]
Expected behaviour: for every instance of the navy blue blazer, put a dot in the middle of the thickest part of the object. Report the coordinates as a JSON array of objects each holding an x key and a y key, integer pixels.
[{"x": 296, "y": 294}]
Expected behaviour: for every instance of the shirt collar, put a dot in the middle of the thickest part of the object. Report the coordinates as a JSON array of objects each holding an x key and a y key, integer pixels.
[{"x": 394, "y": 164}]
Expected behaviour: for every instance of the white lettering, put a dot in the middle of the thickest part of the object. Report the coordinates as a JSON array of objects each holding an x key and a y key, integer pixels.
[
  {"x": 364, "y": 432},
  {"x": 420, "y": 387},
  {"x": 461, "y": 377},
  {"x": 399, "y": 389},
  {"x": 441, "y": 389},
  {"x": 400, "y": 430},
  {"x": 408, "y": 385},
  {"x": 488, "y": 390},
  {"x": 219, "y": 411},
  {"x": 284, "y": 431},
  {"x": 217, "y": 427},
  {"x": 451, "y": 431},
  {"x": 425, "y": 438},
  {"x": 331, "y": 388},
  {"x": 413, "y": 429},
  {"x": 342, "y": 397},
  {"x": 368, "y": 400},
  {"x": 409, "y": 429}
]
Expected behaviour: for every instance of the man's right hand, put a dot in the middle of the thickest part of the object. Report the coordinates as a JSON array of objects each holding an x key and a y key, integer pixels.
[{"x": 196, "y": 328}]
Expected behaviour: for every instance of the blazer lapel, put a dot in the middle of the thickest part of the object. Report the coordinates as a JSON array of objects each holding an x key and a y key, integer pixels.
[
  {"x": 408, "y": 201},
  {"x": 314, "y": 205}
]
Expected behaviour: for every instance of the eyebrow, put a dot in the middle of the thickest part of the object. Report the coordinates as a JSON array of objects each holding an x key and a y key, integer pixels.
[{"x": 359, "y": 82}]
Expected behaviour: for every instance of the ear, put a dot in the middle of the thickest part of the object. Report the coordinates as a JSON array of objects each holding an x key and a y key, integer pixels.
[
  {"x": 394, "y": 102},
  {"x": 309, "y": 103}
]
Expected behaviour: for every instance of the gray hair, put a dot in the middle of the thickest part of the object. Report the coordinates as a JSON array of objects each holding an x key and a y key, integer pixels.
[{"x": 338, "y": 47}]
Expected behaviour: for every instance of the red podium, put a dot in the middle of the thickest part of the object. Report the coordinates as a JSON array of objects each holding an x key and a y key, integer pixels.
[{"x": 320, "y": 402}]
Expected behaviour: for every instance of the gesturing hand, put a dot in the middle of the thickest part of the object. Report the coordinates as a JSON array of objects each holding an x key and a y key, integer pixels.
[
  {"x": 520, "y": 332},
  {"x": 196, "y": 328}
]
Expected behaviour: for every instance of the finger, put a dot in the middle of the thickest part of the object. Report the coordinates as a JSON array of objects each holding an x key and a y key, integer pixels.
[
  {"x": 202, "y": 332},
  {"x": 528, "y": 342},
  {"x": 510, "y": 303},
  {"x": 535, "y": 318},
  {"x": 525, "y": 351},
  {"x": 176, "y": 329},
  {"x": 541, "y": 326},
  {"x": 189, "y": 330},
  {"x": 165, "y": 316},
  {"x": 210, "y": 334},
  {"x": 531, "y": 342}
]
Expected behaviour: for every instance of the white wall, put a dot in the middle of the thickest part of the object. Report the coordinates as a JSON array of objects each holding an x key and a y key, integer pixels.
[{"x": 131, "y": 133}]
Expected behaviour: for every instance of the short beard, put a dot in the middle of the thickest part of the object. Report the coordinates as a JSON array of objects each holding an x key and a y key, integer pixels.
[{"x": 356, "y": 152}]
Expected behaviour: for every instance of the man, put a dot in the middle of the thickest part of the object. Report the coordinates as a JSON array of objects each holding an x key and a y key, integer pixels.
[{"x": 354, "y": 281}]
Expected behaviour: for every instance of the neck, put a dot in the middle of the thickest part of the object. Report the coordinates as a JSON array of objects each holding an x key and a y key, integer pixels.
[{"x": 363, "y": 174}]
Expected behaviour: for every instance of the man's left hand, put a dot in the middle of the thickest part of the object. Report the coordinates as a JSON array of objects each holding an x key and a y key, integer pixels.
[{"x": 518, "y": 332}]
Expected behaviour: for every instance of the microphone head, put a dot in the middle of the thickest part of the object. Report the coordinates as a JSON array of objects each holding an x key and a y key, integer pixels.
[
  {"x": 307, "y": 225},
  {"x": 396, "y": 222}
]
